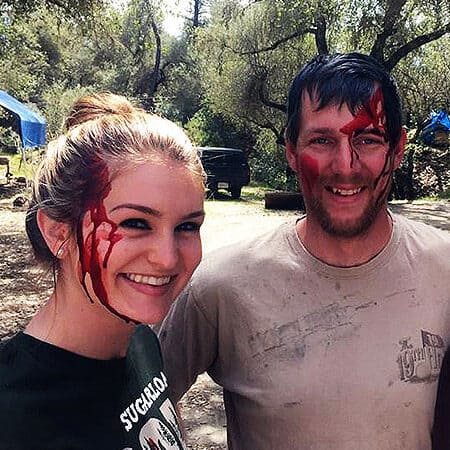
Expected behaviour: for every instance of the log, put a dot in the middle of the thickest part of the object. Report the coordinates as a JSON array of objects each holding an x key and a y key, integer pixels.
[{"x": 284, "y": 200}]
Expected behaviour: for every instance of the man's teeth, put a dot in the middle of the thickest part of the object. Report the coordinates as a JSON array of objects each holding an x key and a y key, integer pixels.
[
  {"x": 145, "y": 279},
  {"x": 346, "y": 191}
]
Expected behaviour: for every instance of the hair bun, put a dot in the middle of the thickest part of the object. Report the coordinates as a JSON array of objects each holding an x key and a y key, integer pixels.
[{"x": 91, "y": 107}]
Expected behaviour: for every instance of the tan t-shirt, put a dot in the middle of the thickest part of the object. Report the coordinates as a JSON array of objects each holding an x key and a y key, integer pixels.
[{"x": 315, "y": 357}]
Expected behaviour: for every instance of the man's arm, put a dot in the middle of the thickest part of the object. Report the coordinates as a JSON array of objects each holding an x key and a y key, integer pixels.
[{"x": 188, "y": 338}]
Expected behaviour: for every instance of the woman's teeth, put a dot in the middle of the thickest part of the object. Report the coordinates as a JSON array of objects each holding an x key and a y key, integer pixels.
[{"x": 145, "y": 279}]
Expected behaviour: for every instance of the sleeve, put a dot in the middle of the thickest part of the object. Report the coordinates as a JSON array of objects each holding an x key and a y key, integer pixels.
[{"x": 188, "y": 338}]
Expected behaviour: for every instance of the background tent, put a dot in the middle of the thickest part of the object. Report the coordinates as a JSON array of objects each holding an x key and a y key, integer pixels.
[
  {"x": 32, "y": 125},
  {"x": 436, "y": 130}
]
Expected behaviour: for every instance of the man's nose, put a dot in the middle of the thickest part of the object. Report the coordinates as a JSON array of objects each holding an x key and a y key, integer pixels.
[{"x": 345, "y": 158}]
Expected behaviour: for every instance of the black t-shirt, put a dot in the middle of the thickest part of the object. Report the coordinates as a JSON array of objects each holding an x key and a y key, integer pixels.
[{"x": 54, "y": 399}]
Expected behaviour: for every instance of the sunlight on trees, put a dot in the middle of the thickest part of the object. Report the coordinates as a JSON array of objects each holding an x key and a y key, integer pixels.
[{"x": 226, "y": 73}]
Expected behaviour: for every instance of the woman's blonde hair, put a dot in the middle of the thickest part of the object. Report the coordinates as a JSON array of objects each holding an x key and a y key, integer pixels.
[{"x": 103, "y": 131}]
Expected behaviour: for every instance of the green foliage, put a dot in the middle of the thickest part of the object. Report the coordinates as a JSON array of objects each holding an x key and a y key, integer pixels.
[
  {"x": 431, "y": 173},
  {"x": 209, "y": 129},
  {"x": 76, "y": 9},
  {"x": 268, "y": 163},
  {"x": 58, "y": 101},
  {"x": 180, "y": 96},
  {"x": 226, "y": 80},
  {"x": 424, "y": 81},
  {"x": 9, "y": 140},
  {"x": 20, "y": 168}
]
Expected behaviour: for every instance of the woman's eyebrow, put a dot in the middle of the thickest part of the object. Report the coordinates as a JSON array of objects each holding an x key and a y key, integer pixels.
[
  {"x": 140, "y": 208},
  {"x": 154, "y": 212}
]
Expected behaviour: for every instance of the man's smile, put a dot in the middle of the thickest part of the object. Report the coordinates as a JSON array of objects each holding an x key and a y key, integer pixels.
[{"x": 344, "y": 192}]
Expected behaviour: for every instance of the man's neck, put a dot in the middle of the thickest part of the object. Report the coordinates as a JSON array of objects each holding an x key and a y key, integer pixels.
[{"x": 343, "y": 251}]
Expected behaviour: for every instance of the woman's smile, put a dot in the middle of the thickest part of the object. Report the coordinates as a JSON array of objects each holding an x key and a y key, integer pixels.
[{"x": 141, "y": 273}]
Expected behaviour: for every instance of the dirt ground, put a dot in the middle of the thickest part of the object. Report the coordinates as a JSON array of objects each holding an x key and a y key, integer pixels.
[{"x": 23, "y": 287}]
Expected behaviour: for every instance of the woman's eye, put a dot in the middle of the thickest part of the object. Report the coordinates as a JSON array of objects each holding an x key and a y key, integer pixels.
[
  {"x": 188, "y": 227},
  {"x": 135, "y": 224}
]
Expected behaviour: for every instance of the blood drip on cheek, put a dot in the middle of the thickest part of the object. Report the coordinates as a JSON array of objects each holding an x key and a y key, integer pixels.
[
  {"x": 309, "y": 172},
  {"x": 370, "y": 115},
  {"x": 88, "y": 246}
]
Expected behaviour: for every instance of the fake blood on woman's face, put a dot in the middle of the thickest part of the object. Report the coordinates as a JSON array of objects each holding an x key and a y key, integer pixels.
[{"x": 88, "y": 245}]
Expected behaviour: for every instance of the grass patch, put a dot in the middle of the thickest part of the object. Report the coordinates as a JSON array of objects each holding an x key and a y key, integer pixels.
[
  {"x": 255, "y": 191},
  {"x": 20, "y": 168}
]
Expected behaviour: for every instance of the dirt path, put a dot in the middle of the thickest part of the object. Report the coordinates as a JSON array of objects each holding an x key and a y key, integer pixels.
[{"x": 23, "y": 288}]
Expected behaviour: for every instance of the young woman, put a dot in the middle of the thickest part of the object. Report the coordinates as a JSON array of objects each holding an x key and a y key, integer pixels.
[{"x": 116, "y": 209}]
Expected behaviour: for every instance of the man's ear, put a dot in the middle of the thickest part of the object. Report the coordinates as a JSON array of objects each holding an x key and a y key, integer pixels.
[
  {"x": 400, "y": 150},
  {"x": 291, "y": 155},
  {"x": 54, "y": 233}
]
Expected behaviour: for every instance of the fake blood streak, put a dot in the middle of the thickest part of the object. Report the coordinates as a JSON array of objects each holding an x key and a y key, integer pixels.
[
  {"x": 373, "y": 115},
  {"x": 309, "y": 172},
  {"x": 88, "y": 248}
]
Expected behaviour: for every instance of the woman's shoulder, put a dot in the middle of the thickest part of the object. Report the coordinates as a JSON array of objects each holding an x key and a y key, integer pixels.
[{"x": 10, "y": 349}]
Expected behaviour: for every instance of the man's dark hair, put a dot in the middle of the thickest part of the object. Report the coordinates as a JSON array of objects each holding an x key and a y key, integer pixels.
[{"x": 349, "y": 79}]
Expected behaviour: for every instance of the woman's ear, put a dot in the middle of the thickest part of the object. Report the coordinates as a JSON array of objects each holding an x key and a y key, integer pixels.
[{"x": 54, "y": 233}]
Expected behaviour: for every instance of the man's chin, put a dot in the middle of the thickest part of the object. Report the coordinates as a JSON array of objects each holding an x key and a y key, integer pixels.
[{"x": 345, "y": 228}]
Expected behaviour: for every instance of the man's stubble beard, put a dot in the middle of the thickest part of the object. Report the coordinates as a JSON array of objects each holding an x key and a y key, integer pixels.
[{"x": 349, "y": 229}]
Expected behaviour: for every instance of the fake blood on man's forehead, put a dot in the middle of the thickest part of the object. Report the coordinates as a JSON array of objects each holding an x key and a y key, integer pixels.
[
  {"x": 88, "y": 246},
  {"x": 371, "y": 114}
]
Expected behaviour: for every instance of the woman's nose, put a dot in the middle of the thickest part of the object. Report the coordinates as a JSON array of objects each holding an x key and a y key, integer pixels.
[{"x": 164, "y": 253}]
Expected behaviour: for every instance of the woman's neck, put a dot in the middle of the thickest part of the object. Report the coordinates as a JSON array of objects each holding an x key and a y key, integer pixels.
[{"x": 80, "y": 326}]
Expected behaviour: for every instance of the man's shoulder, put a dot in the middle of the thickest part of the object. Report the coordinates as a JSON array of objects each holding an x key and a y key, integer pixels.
[
  {"x": 423, "y": 240},
  {"x": 421, "y": 231}
]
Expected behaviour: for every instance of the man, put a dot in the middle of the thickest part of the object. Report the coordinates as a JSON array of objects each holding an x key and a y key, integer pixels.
[{"x": 328, "y": 332}]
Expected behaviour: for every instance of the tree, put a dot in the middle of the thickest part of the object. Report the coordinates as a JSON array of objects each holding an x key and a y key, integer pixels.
[
  {"x": 79, "y": 9},
  {"x": 250, "y": 52}
]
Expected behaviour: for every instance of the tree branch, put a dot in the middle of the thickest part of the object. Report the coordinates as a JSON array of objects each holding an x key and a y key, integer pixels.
[
  {"x": 414, "y": 44},
  {"x": 260, "y": 83},
  {"x": 391, "y": 15},
  {"x": 320, "y": 34},
  {"x": 274, "y": 45},
  {"x": 279, "y": 135},
  {"x": 156, "y": 66}
]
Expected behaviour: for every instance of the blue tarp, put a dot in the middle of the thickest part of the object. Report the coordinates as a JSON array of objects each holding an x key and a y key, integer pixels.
[
  {"x": 32, "y": 125},
  {"x": 436, "y": 130}
]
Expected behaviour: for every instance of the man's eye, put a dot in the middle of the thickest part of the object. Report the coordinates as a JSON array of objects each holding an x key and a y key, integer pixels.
[
  {"x": 188, "y": 227},
  {"x": 135, "y": 224},
  {"x": 320, "y": 141},
  {"x": 368, "y": 141}
]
